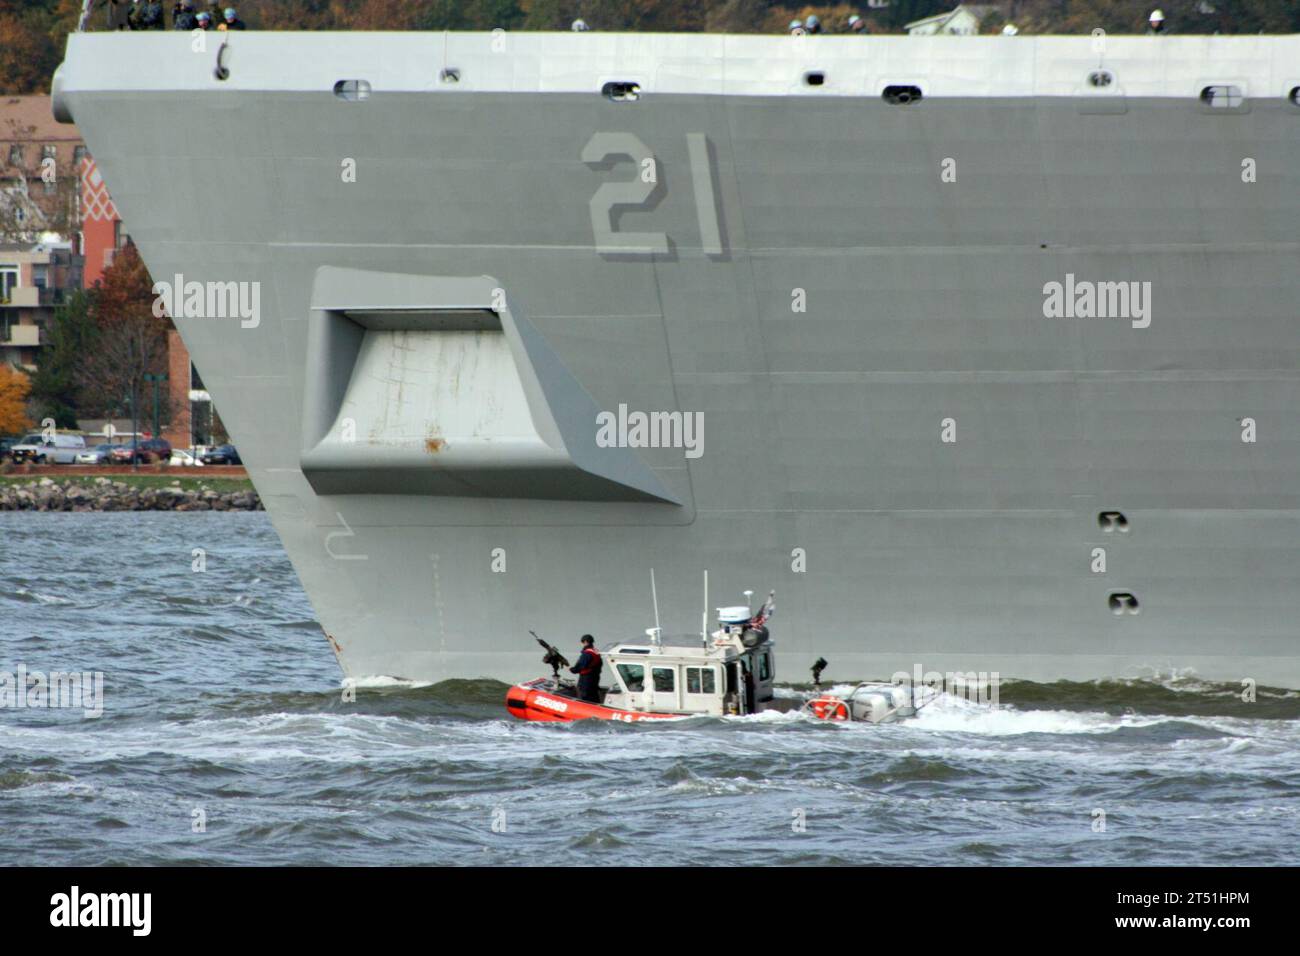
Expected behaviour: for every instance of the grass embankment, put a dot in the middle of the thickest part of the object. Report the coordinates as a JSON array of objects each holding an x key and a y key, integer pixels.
[{"x": 186, "y": 483}]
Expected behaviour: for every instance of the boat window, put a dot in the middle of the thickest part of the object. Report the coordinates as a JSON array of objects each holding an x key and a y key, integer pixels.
[
  {"x": 765, "y": 667},
  {"x": 701, "y": 680},
  {"x": 633, "y": 676},
  {"x": 664, "y": 679}
]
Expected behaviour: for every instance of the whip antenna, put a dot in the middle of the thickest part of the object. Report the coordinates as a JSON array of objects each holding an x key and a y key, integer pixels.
[
  {"x": 704, "y": 615},
  {"x": 654, "y": 597}
]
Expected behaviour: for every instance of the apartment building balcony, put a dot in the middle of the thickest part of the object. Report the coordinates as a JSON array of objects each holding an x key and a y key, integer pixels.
[
  {"x": 22, "y": 297},
  {"x": 31, "y": 297},
  {"x": 21, "y": 336}
]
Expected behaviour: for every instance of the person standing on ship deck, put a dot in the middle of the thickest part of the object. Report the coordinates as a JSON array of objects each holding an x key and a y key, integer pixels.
[
  {"x": 588, "y": 670},
  {"x": 184, "y": 18},
  {"x": 119, "y": 14},
  {"x": 231, "y": 21},
  {"x": 152, "y": 17}
]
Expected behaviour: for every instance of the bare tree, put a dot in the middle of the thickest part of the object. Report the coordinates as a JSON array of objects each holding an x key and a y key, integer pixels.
[{"x": 35, "y": 197}]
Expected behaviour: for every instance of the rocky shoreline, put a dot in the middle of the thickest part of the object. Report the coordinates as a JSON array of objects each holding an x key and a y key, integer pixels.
[{"x": 104, "y": 494}]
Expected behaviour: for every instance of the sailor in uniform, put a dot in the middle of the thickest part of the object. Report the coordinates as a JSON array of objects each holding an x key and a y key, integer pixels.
[{"x": 588, "y": 670}]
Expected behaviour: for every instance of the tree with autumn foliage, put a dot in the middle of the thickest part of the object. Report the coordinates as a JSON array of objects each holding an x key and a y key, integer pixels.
[
  {"x": 127, "y": 341},
  {"x": 56, "y": 385},
  {"x": 14, "y": 387},
  {"x": 31, "y": 42}
]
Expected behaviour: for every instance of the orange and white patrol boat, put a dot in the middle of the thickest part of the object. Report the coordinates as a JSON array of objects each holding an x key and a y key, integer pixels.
[{"x": 730, "y": 672}]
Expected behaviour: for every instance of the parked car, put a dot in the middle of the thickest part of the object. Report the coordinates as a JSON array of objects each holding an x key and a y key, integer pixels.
[
  {"x": 99, "y": 455},
  {"x": 56, "y": 450},
  {"x": 181, "y": 457},
  {"x": 150, "y": 449},
  {"x": 6, "y": 445},
  {"x": 221, "y": 455}
]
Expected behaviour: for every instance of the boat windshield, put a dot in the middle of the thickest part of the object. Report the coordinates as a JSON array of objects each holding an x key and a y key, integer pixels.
[{"x": 633, "y": 676}]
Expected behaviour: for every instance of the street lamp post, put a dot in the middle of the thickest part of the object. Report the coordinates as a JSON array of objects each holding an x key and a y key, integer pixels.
[
  {"x": 156, "y": 379},
  {"x": 135, "y": 428}
]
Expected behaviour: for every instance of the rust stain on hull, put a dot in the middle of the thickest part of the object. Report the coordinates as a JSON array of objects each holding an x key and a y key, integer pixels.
[{"x": 338, "y": 649}]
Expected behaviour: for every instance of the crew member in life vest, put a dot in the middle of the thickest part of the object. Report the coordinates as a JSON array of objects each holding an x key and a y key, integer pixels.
[{"x": 588, "y": 671}]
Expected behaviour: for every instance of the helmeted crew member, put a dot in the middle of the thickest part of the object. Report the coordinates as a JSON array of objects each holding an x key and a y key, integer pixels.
[
  {"x": 813, "y": 24},
  {"x": 1156, "y": 24},
  {"x": 204, "y": 21},
  {"x": 588, "y": 670},
  {"x": 231, "y": 21},
  {"x": 857, "y": 24}
]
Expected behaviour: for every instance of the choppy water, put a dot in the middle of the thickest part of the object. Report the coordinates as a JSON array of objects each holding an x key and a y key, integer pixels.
[{"x": 221, "y": 696}]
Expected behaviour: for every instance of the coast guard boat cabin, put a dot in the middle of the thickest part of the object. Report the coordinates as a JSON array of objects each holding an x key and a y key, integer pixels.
[{"x": 730, "y": 672}]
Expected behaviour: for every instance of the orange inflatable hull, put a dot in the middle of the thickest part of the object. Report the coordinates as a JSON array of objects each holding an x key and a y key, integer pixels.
[{"x": 532, "y": 701}]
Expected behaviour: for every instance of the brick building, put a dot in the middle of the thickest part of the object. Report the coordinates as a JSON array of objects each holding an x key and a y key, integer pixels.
[
  {"x": 59, "y": 230},
  {"x": 40, "y": 256},
  {"x": 38, "y": 179}
]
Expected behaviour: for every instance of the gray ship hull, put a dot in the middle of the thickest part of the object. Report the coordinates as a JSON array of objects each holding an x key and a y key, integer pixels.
[{"x": 825, "y": 472}]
